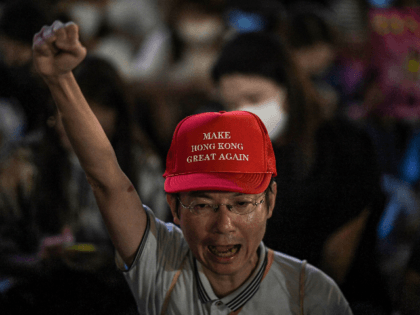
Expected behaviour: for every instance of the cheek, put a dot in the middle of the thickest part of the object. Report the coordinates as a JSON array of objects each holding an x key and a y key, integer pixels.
[
  {"x": 255, "y": 223},
  {"x": 194, "y": 236},
  {"x": 255, "y": 218},
  {"x": 194, "y": 230}
]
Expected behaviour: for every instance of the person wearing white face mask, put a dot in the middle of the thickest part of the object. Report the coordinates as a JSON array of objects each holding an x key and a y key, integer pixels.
[
  {"x": 272, "y": 114},
  {"x": 328, "y": 183}
]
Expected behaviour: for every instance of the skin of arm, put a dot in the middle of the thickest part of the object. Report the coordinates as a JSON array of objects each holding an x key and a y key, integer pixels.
[{"x": 56, "y": 52}]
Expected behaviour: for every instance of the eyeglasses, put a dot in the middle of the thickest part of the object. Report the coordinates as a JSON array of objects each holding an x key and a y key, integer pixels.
[{"x": 241, "y": 206}]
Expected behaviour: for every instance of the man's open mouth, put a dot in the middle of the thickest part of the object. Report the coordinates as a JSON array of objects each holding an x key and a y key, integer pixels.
[{"x": 224, "y": 250}]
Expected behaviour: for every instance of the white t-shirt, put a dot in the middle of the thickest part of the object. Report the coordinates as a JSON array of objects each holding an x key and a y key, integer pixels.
[{"x": 165, "y": 272}]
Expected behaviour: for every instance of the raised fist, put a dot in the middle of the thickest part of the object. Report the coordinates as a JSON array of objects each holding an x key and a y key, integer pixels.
[{"x": 57, "y": 49}]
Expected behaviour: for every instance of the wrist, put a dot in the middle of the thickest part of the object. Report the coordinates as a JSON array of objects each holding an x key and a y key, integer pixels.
[{"x": 59, "y": 79}]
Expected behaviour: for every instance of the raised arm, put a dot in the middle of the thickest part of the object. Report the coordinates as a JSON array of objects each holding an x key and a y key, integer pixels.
[{"x": 57, "y": 51}]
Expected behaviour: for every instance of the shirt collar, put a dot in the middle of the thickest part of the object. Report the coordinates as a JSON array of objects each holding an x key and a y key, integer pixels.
[{"x": 240, "y": 296}]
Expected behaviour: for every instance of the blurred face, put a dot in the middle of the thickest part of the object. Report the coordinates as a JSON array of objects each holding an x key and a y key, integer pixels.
[
  {"x": 239, "y": 90},
  {"x": 225, "y": 243},
  {"x": 107, "y": 118},
  {"x": 315, "y": 59},
  {"x": 15, "y": 53},
  {"x": 196, "y": 26}
]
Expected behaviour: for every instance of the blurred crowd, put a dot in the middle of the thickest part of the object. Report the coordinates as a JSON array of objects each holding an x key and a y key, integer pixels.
[{"x": 337, "y": 83}]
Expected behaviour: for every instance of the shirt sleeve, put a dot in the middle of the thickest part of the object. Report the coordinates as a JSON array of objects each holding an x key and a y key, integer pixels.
[
  {"x": 322, "y": 295},
  {"x": 160, "y": 254}
]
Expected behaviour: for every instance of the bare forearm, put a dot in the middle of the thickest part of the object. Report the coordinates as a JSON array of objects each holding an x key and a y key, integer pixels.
[
  {"x": 57, "y": 51},
  {"x": 85, "y": 133}
]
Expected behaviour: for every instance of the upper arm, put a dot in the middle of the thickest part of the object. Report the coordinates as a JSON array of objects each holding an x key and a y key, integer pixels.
[{"x": 122, "y": 211}]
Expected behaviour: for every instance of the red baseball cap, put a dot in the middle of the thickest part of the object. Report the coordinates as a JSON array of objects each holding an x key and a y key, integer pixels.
[{"x": 223, "y": 151}]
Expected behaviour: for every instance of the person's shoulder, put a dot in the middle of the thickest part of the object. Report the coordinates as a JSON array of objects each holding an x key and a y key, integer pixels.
[
  {"x": 323, "y": 294},
  {"x": 286, "y": 269},
  {"x": 166, "y": 232},
  {"x": 301, "y": 267},
  {"x": 286, "y": 261},
  {"x": 295, "y": 269},
  {"x": 320, "y": 291},
  {"x": 165, "y": 240}
]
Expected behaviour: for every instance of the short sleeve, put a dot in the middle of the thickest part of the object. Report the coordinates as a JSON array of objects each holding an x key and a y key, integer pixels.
[
  {"x": 322, "y": 295},
  {"x": 160, "y": 254}
]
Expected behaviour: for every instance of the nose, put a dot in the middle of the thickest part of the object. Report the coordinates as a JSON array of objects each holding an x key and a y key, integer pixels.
[{"x": 223, "y": 221}]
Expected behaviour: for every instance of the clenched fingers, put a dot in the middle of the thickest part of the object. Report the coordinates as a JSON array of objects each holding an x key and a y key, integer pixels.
[
  {"x": 57, "y": 49},
  {"x": 56, "y": 36}
]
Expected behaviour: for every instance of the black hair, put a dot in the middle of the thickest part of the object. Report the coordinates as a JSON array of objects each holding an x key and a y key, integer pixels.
[
  {"x": 253, "y": 53},
  {"x": 21, "y": 19},
  {"x": 308, "y": 29}
]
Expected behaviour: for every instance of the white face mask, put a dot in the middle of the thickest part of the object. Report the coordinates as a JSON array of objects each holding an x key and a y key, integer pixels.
[{"x": 272, "y": 115}]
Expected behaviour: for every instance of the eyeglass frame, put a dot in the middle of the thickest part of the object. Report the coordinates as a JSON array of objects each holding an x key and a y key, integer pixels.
[{"x": 228, "y": 206}]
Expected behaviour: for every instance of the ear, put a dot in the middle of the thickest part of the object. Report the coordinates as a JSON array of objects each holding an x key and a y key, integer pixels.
[
  {"x": 272, "y": 199},
  {"x": 171, "y": 200}
]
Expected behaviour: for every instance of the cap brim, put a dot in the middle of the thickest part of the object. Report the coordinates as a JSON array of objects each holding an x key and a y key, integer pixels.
[{"x": 254, "y": 183}]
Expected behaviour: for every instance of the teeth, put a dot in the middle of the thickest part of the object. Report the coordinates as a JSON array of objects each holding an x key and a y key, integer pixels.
[{"x": 223, "y": 251}]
